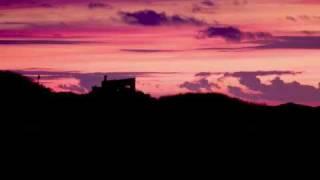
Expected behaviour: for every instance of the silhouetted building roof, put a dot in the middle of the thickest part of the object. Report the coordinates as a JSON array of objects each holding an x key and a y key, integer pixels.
[{"x": 117, "y": 86}]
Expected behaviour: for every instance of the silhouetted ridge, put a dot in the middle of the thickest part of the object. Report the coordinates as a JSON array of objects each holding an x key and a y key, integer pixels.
[
  {"x": 116, "y": 111},
  {"x": 14, "y": 85},
  {"x": 199, "y": 99}
]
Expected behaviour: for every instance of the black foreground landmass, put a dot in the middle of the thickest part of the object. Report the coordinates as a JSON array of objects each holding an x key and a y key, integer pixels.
[{"x": 36, "y": 112}]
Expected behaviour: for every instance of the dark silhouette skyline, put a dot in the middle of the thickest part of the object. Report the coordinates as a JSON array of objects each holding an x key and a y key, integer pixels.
[{"x": 43, "y": 113}]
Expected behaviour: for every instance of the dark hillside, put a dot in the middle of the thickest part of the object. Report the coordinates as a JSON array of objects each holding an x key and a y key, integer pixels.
[{"x": 36, "y": 111}]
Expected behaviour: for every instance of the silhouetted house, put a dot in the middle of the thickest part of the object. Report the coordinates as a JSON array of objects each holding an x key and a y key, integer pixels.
[{"x": 116, "y": 86}]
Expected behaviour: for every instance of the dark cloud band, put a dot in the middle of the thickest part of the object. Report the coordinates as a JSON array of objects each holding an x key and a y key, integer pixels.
[
  {"x": 43, "y": 42},
  {"x": 153, "y": 18}
]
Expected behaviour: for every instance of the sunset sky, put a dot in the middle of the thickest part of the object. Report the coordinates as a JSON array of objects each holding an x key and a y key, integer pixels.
[{"x": 265, "y": 51}]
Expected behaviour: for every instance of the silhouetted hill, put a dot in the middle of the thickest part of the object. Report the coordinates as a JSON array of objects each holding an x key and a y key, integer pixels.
[
  {"x": 16, "y": 86},
  {"x": 37, "y": 111}
]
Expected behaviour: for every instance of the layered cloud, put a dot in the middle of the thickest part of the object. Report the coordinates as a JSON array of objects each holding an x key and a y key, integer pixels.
[
  {"x": 168, "y": 35},
  {"x": 263, "y": 40},
  {"x": 153, "y": 18},
  {"x": 252, "y": 88},
  {"x": 292, "y": 42},
  {"x": 99, "y": 5},
  {"x": 201, "y": 85},
  {"x": 277, "y": 90},
  {"x": 35, "y": 3},
  {"x": 44, "y": 42},
  {"x": 233, "y": 34},
  {"x": 241, "y": 74}
]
